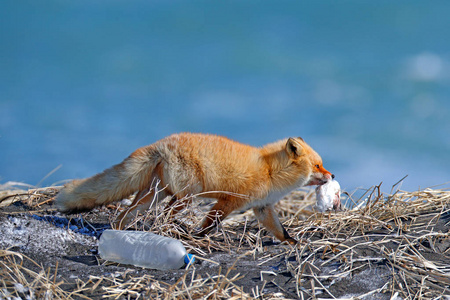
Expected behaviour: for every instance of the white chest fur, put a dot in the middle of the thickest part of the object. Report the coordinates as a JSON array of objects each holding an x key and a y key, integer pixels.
[
  {"x": 272, "y": 198},
  {"x": 276, "y": 196}
]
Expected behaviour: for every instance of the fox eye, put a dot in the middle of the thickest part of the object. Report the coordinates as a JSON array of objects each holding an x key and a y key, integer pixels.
[{"x": 317, "y": 166}]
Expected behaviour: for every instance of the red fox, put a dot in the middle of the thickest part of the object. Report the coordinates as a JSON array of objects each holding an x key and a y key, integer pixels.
[{"x": 237, "y": 175}]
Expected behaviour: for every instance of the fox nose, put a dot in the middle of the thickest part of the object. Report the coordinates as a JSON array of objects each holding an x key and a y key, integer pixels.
[{"x": 332, "y": 176}]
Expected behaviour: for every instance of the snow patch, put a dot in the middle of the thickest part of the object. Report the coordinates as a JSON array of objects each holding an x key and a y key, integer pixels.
[{"x": 34, "y": 236}]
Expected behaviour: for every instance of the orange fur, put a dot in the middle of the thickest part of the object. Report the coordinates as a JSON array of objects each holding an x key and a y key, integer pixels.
[{"x": 237, "y": 175}]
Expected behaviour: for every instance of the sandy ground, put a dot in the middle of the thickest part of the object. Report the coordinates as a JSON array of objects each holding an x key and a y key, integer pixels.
[{"x": 385, "y": 259}]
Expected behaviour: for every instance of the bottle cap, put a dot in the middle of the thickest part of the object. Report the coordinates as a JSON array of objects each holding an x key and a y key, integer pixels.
[{"x": 189, "y": 259}]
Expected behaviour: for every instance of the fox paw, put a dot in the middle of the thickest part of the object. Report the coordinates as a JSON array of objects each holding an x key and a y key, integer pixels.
[
  {"x": 291, "y": 241},
  {"x": 200, "y": 233}
]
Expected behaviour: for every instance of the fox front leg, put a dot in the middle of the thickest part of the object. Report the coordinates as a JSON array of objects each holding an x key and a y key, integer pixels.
[
  {"x": 268, "y": 217},
  {"x": 224, "y": 206}
]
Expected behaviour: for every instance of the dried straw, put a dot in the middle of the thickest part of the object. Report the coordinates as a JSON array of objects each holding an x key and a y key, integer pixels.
[{"x": 405, "y": 232}]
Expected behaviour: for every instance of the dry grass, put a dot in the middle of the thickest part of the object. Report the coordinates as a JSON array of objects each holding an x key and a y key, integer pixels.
[
  {"x": 397, "y": 230},
  {"x": 20, "y": 282},
  {"x": 220, "y": 286},
  {"x": 405, "y": 232}
]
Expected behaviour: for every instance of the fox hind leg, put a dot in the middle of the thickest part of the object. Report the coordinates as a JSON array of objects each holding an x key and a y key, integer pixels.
[
  {"x": 176, "y": 205},
  {"x": 141, "y": 202}
]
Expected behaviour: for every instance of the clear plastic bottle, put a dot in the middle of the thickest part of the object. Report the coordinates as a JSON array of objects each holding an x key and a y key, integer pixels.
[{"x": 143, "y": 249}]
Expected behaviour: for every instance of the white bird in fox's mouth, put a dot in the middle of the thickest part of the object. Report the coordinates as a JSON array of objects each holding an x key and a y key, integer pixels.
[{"x": 328, "y": 196}]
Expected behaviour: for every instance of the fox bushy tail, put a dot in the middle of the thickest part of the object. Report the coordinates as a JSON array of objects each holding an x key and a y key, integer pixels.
[{"x": 113, "y": 184}]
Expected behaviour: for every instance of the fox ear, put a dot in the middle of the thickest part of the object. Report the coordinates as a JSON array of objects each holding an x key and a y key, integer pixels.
[{"x": 294, "y": 147}]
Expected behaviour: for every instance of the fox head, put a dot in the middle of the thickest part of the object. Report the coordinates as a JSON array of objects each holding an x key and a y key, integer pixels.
[{"x": 307, "y": 162}]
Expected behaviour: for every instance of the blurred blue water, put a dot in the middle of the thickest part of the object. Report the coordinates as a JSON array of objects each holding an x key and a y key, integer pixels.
[{"x": 84, "y": 83}]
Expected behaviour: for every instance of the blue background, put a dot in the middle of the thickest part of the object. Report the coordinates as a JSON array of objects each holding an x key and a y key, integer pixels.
[{"x": 366, "y": 83}]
